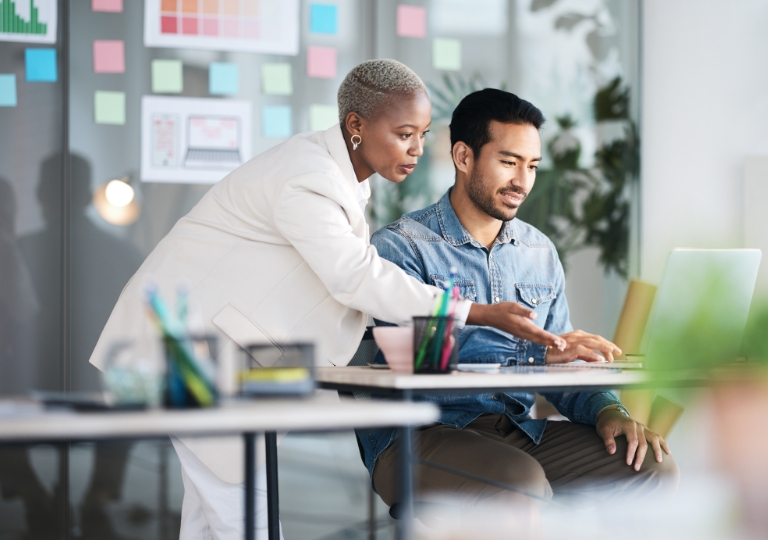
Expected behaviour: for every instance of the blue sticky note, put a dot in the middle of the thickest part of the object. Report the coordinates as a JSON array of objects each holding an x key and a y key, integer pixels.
[
  {"x": 276, "y": 121},
  {"x": 41, "y": 65},
  {"x": 323, "y": 19},
  {"x": 223, "y": 79},
  {"x": 7, "y": 90}
]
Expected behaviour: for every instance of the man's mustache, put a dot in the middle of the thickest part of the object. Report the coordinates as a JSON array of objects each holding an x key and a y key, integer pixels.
[{"x": 514, "y": 189}]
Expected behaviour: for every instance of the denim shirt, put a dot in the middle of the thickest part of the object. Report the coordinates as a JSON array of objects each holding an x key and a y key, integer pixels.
[{"x": 521, "y": 266}]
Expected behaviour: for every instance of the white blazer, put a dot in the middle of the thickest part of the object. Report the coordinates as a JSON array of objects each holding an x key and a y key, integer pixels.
[{"x": 279, "y": 250}]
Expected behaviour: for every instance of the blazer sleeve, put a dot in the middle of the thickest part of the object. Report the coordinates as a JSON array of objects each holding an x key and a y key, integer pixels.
[{"x": 308, "y": 214}]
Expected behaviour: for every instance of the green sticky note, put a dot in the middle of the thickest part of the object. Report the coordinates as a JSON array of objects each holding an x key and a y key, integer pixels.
[
  {"x": 276, "y": 79},
  {"x": 109, "y": 107},
  {"x": 167, "y": 77},
  {"x": 446, "y": 54},
  {"x": 321, "y": 117}
]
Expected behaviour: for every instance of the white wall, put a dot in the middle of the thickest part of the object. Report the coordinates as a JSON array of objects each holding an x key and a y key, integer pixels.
[{"x": 705, "y": 108}]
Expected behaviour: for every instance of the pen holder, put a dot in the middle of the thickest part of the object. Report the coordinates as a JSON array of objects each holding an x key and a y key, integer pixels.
[
  {"x": 435, "y": 344},
  {"x": 190, "y": 379}
]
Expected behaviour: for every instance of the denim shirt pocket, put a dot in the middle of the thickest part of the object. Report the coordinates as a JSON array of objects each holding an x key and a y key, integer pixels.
[
  {"x": 466, "y": 286},
  {"x": 535, "y": 295}
]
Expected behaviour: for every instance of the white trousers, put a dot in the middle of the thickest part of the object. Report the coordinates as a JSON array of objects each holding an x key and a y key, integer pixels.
[{"x": 213, "y": 509}]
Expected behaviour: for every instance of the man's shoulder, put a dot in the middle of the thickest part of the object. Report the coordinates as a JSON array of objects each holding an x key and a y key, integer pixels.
[
  {"x": 422, "y": 224},
  {"x": 530, "y": 236}
]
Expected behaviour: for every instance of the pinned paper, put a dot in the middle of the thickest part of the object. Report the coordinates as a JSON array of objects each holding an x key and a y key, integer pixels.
[
  {"x": 321, "y": 62},
  {"x": 108, "y": 57},
  {"x": 276, "y": 121},
  {"x": 446, "y": 54},
  {"x": 223, "y": 79},
  {"x": 167, "y": 76},
  {"x": 276, "y": 79},
  {"x": 411, "y": 21},
  {"x": 112, "y": 6},
  {"x": 323, "y": 19},
  {"x": 109, "y": 107},
  {"x": 40, "y": 65},
  {"x": 321, "y": 117},
  {"x": 7, "y": 90}
]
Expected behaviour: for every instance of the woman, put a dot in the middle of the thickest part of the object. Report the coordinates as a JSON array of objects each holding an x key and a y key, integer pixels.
[{"x": 279, "y": 251}]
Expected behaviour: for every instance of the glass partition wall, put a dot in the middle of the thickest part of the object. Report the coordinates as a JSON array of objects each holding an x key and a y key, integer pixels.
[{"x": 64, "y": 257}]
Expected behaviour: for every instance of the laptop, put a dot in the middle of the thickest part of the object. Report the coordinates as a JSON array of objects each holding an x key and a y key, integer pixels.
[
  {"x": 701, "y": 308},
  {"x": 699, "y": 314}
]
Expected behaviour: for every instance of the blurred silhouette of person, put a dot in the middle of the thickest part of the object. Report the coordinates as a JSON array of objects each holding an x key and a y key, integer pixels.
[
  {"x": 100, "y": 264},
  {"x": 18, "y": 309},
  {"x": 18, "y": 302}
]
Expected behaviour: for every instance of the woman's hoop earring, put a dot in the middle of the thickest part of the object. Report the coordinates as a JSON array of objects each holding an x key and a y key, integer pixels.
[{"x": 355, "y": 143}]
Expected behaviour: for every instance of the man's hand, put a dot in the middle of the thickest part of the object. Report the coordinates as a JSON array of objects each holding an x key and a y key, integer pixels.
[
  {"x": 611, "y": 423},
  {"x": 582, "y": 346},
  {"x": 514, "y": 319}
]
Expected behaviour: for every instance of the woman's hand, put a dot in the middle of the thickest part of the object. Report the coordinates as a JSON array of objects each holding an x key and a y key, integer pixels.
[{"x": 514, "y": 319}]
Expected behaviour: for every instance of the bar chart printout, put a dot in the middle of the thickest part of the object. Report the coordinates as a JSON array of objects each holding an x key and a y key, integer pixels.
[
  {"x": 263, "y": 26},
  {"x": 28, "y": 21}
]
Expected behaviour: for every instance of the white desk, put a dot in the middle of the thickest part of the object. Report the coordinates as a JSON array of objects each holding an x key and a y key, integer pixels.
[
  {"x": 27, "y": 424},
  {"x": 531, "y": 379}
]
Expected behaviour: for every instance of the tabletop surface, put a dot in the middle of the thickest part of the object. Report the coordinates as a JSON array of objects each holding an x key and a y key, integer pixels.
[
  {"x": 522, "y": 378},
  {"x": 27, "y": 422}
]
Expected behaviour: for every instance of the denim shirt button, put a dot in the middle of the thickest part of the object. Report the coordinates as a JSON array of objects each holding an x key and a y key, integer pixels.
[
  {"x": 530, "y": 360},
  {"x": 496, "y": 299}
]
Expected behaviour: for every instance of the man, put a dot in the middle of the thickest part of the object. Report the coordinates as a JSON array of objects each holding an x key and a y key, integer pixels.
[{"x": 601, "y": 452}]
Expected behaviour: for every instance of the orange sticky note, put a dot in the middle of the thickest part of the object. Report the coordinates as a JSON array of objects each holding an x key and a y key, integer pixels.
[
  {"x": 108, "y": 57},
  {"x": 321, "y": 62},
  {"x": 411, "y": 21}
]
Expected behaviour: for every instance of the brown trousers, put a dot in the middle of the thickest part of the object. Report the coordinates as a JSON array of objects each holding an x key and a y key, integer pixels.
[{"x": 570, "y": 463}]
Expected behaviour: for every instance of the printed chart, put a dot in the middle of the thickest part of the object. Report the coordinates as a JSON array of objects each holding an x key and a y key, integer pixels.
[
  {"x": 28, "y": 21},
  {"x": 263, "y": 26},
  {"x": 193, "y": 140}
]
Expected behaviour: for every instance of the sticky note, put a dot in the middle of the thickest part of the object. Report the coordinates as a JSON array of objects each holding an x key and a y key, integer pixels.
[
  {"x": 109, "y": 107},
  {"x": 411, "y": 21},
  {"x": 322, "y": 117},
  {"x": 323, "y": 19},
  {"x": 108, "y": 56},
  {"x": 41, "y": 65},
  {"x": 223, "y": 79},
  {"x": 321, "y": 62},
  {"x": 167, "y": 76},
  {"x": 112, "y": 6},
  {"x": 7, "y": 90},
  {"x": 446, "y": 54},
  {"x": 276, "y": 79},
  {"x": 276, "y": 121}
]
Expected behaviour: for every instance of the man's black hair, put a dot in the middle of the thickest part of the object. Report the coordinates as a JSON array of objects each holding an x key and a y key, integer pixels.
[{"x": 471, "y": 119}]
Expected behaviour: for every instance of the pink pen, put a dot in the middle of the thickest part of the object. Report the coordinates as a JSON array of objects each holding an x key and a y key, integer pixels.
[{"x": 447, "y": 345}]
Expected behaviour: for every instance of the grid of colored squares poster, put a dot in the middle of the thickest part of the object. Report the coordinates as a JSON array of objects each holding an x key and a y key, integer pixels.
[{"x": 266, "y": 26}]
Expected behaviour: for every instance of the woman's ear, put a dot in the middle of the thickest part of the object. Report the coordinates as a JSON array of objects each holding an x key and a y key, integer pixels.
[
  {"x": 462, "y": 156},
  {"x": 354, "y": 123}
]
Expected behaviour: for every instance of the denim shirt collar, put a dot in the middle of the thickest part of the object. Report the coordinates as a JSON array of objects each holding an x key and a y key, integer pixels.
[{"x": 455, "y": 233}]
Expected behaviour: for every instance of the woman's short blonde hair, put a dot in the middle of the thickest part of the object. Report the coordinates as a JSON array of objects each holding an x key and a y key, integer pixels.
[{"x": 369, "y": 85}]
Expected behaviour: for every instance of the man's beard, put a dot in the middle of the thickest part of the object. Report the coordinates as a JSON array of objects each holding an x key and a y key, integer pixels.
[{"x": 485, "y": 200}]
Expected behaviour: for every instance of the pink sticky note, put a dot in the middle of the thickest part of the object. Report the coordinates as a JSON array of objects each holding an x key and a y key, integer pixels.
[
  {"x": 113, "y": 6},
  {"x": 411, "y": 21},
  {"x": 321, "y": 62},
  {"x": 108, "y": 57}
]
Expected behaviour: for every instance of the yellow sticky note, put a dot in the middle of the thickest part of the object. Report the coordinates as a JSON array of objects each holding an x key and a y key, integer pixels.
[
  {"x": 109, "y": 107},
  {"x": 446, "y": 54},
  {"x": 167, "y": 76},
  {"x": 276, "y": 79},
  {"x": 321, "y": 117}
]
